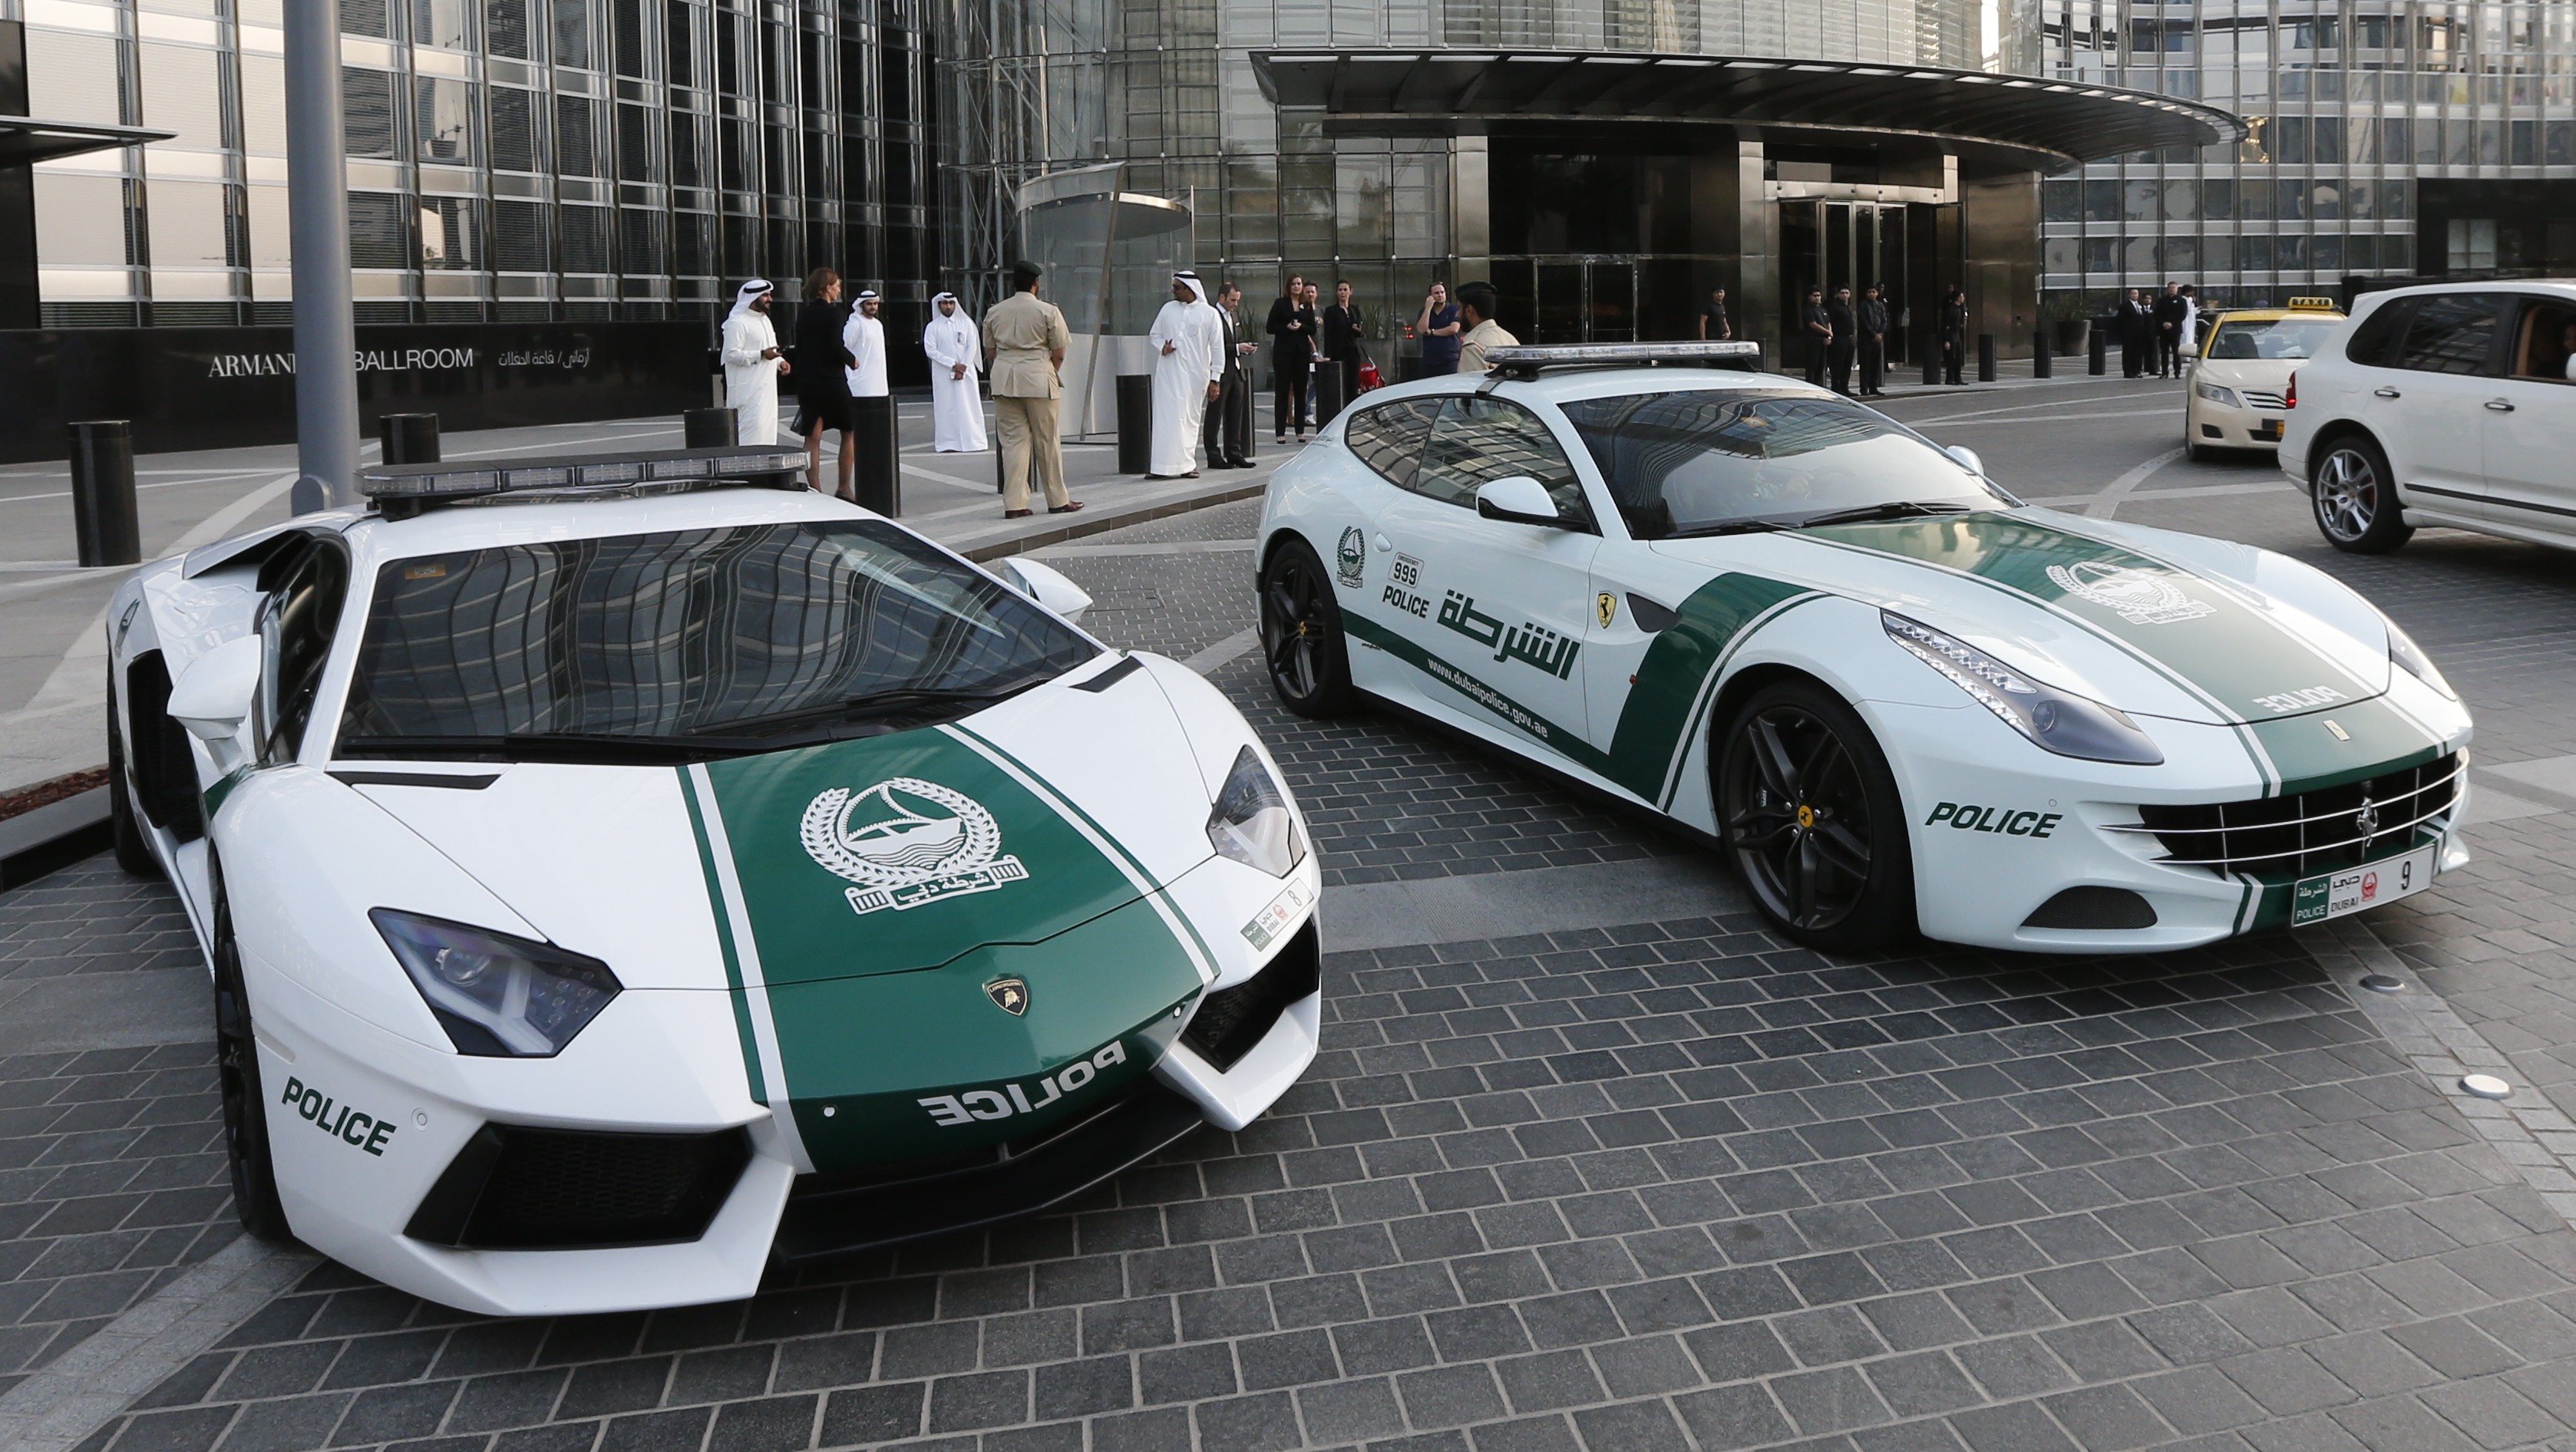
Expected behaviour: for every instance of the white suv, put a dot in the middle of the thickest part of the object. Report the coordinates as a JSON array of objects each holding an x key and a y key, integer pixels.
[{"x": 2450, "y": 404}]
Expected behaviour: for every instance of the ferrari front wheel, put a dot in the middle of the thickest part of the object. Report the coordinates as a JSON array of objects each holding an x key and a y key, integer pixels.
[
  {"x": 1302, "y": 643},
  {"x": 1809, "y": 813},
  {"x": 246, "y": 1147}
]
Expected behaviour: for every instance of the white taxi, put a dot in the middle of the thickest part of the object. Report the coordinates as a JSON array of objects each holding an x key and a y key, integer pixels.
[{"x": 2240, "y": 394}]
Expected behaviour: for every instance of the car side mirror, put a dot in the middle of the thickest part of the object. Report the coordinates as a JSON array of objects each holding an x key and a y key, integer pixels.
[
  {"x": 1045, "y": 585},
  {"x": 1519, "y": 499},
  {"x": 1967, "y": 459},
  {"x": 213, "y": 695}
]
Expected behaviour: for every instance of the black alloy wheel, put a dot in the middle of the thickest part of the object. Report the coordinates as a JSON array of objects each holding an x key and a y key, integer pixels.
[
  {"x": 133, "y": 850},
  {"x": 1809, "y": 813},
  {"x": 1302, "y": 644},
  {"x": 2355, "y": 498},
  {"x": 246, "y": 1148}
]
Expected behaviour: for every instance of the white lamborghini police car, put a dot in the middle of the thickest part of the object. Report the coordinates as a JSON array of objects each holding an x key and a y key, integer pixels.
[
  {"x": 1897, "y": 698},
  {"x": 617, "y": 874}
]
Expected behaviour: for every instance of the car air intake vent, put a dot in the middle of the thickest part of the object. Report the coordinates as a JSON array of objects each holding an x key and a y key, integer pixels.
[
  {"x": 1230, "y": 1022},
  {"x": 2317, "y": 831},
  {"x": 516, "y": 1188},
  {"x": 2093, "y": 909}
]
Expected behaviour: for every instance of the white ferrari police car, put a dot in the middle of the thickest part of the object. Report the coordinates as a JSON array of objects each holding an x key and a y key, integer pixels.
[
  {"x": 1897, "y": 698},
  {"x": 618, "y": 874}
]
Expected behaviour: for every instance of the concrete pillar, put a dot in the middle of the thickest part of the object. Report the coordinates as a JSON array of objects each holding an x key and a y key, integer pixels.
[
  {"x": 2001, "y": 219},
  {"x": 1471, "y": 209}
]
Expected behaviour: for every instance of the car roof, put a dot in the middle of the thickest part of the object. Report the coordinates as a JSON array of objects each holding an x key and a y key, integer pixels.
[
  {"x": 2563, "y": 286},
  {"x": 487, "y": 523},
  {"x": 1574, "y": 384}
]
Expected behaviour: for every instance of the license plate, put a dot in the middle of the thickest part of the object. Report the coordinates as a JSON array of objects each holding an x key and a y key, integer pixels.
[
  {"x": 2333, "y": 894},
  {"x": 2269, "y": 428}
]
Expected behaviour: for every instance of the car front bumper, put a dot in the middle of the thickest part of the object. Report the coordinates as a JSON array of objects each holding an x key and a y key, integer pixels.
[{"x": 2214, "y": 425}]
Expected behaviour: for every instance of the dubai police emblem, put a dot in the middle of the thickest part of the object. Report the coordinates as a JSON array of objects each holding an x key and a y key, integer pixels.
[
  {"x": 906, "y": 843},
  {"x": 1010, "y": 995},
  {"x": 1350, "y": 560},
  {"x": 2139, "y": 597}
]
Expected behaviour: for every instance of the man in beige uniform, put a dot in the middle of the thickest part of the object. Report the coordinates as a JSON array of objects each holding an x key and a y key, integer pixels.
[
  {"x": 1476, "y": 304},
  {"x": 1025, "y": 339}
]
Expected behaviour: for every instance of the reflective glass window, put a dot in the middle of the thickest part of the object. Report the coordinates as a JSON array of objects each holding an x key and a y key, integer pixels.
[
  {"x": 379, "y": 232},
  {"x": 1478, "y": 440},
  {"x": 519, "y": 237},
  {"x": 181, "y": 94},
  {"x": 367, "y": 111},
  {"x": 2452, "y": 333},
  {"x": 191, "y": 223},
  {"x": 449, "y": 238},
  {"x": 444, "y": 111},
  {"x": 1389, "y": 438}
]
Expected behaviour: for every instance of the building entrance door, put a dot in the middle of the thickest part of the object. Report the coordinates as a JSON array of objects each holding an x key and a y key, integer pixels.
[
  {"x": 1586, "y": 300},
  {"x": 1833, "y": 245}
]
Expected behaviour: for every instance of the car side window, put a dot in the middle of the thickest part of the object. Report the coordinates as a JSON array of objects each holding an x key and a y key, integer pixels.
[
  {"x": 306, "y": 589},
  {"x": 2375, "y": 337},
  {"x": 2545, "y": 344},
  {"x": 1480, "y": 439},
  {"x": 2452, "y": 334},
  {"x": 1388, "y": 438}
]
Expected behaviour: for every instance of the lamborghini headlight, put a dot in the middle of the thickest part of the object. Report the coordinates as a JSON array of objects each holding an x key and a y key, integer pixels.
[
  {"x": 2224, "y": 397},
  {"x": 2407, "y": 655},
  {"x": 1251, "y": 823},
  {"x": 497, "y": 996},
  {"x": 2051, "y": 719}
]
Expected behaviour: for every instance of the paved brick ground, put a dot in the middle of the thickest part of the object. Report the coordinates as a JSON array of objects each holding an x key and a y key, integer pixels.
[
  {"x": 1659, "y": 1188},
  {"x": 111, "y": 1168}
]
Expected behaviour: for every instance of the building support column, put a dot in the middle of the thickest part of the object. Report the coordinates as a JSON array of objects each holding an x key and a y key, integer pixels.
[
  {"x": 2000, "y": 215},
  {"x": 1471, "y": 210},
  {"x": 20, "y": 301},
  {"x": 326, "y": 334}
]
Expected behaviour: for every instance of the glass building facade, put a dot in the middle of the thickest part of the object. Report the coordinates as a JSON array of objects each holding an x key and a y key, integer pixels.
[
  {"x": 2385, "y": 138},
  {"x": 1595, "y": 226},
  {"x": 509, "y": 160}
]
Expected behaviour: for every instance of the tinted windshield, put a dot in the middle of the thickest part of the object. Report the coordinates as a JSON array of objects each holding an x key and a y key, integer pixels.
[
  {"x": 767, "y": 634},
  {"x": 1694, "y": 460},
  {"x": 2240, "y": 338}
]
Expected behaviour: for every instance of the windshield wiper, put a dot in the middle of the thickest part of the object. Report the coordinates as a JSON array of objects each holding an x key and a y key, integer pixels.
[
  {"x": 1893, "y": 509},
  {"x": 881, "y": 703},
  {"x": 569, "y": 746}
]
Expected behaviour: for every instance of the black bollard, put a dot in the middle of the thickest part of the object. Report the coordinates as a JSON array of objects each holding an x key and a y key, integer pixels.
[
  {"x": 1328, "y": 392},
  {"x": 103, "y": 493},
  {"x": 878, "y": 475},
  {"x": 2043, "y": 364},
  {"x": 2097, "y": 352},
  {"x": 1932, "y": 364},
  {"x": 1135, "y": 423},
  {"x": 1985, "y": 357},
  {"x": 708, "y": 428},
  {"x": 408, "y": 438}
]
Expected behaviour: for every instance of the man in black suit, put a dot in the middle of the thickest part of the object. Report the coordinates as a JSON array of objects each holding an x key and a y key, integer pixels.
[
  {"x": 1342, "y": 333},
  {"x": 1873, "y": 343},
  {"x": 2171, "y": 309},
  {"x": 1229, "y": 418},
  {"x": 1846, "y": 338},
  {"x": 2137, "y": 335},
  {"x": 1292, "y": 354},
  {"x": 1954, "y": 334},
  {"x": 1816, "y": 331}
]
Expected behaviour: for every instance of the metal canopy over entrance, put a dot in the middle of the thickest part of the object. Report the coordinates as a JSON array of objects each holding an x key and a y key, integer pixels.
[{"x": 1445, "y": 92}]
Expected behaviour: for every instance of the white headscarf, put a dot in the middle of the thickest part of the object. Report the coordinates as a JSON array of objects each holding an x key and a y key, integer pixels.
[
  {"x": 941, "y": 298},
  {"x": 1198, "y": 290},
  {"x": 758, "y": 287},
  {"x": 865, "y": 294}
]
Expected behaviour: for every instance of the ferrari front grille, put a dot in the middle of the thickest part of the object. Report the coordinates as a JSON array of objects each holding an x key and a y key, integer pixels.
[
  {"x": 2313, "y": 831},
  {"x": 513, "y": 1187}
]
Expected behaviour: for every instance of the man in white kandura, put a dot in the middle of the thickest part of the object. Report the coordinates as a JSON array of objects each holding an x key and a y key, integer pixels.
[
  {"x": 864, "y": 336},
  {"x": 956, "y": 399},
  {"x": 1189, "y": 361},
  {"x": 752, "y": 365}
]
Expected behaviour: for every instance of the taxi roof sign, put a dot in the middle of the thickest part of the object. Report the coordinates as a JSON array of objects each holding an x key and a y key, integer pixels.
[{"x": 2314, "y": 305}]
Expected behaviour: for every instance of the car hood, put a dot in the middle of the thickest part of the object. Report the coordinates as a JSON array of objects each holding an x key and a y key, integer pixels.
[
  {"x": 882, "y": 854},
  {"x": 2155, "y": 623}
]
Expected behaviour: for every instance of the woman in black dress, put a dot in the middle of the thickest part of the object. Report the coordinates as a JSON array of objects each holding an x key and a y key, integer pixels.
[{"x": 822, "y": 388}]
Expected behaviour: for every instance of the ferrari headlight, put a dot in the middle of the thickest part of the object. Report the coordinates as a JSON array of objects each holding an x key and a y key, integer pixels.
[
  {"x": 2404, "y": 652},
  {"x": 1251, "y": 823},
  {"x": 2225, "y": 397},
  {"x": 497, "y": 996},
  {"x": 2051, "y": 719}
]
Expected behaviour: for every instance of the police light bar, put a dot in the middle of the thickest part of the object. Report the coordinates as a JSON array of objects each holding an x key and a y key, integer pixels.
[
  {"x": 400, "y": 490},
  {"x": 1525, "y": 362}
]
